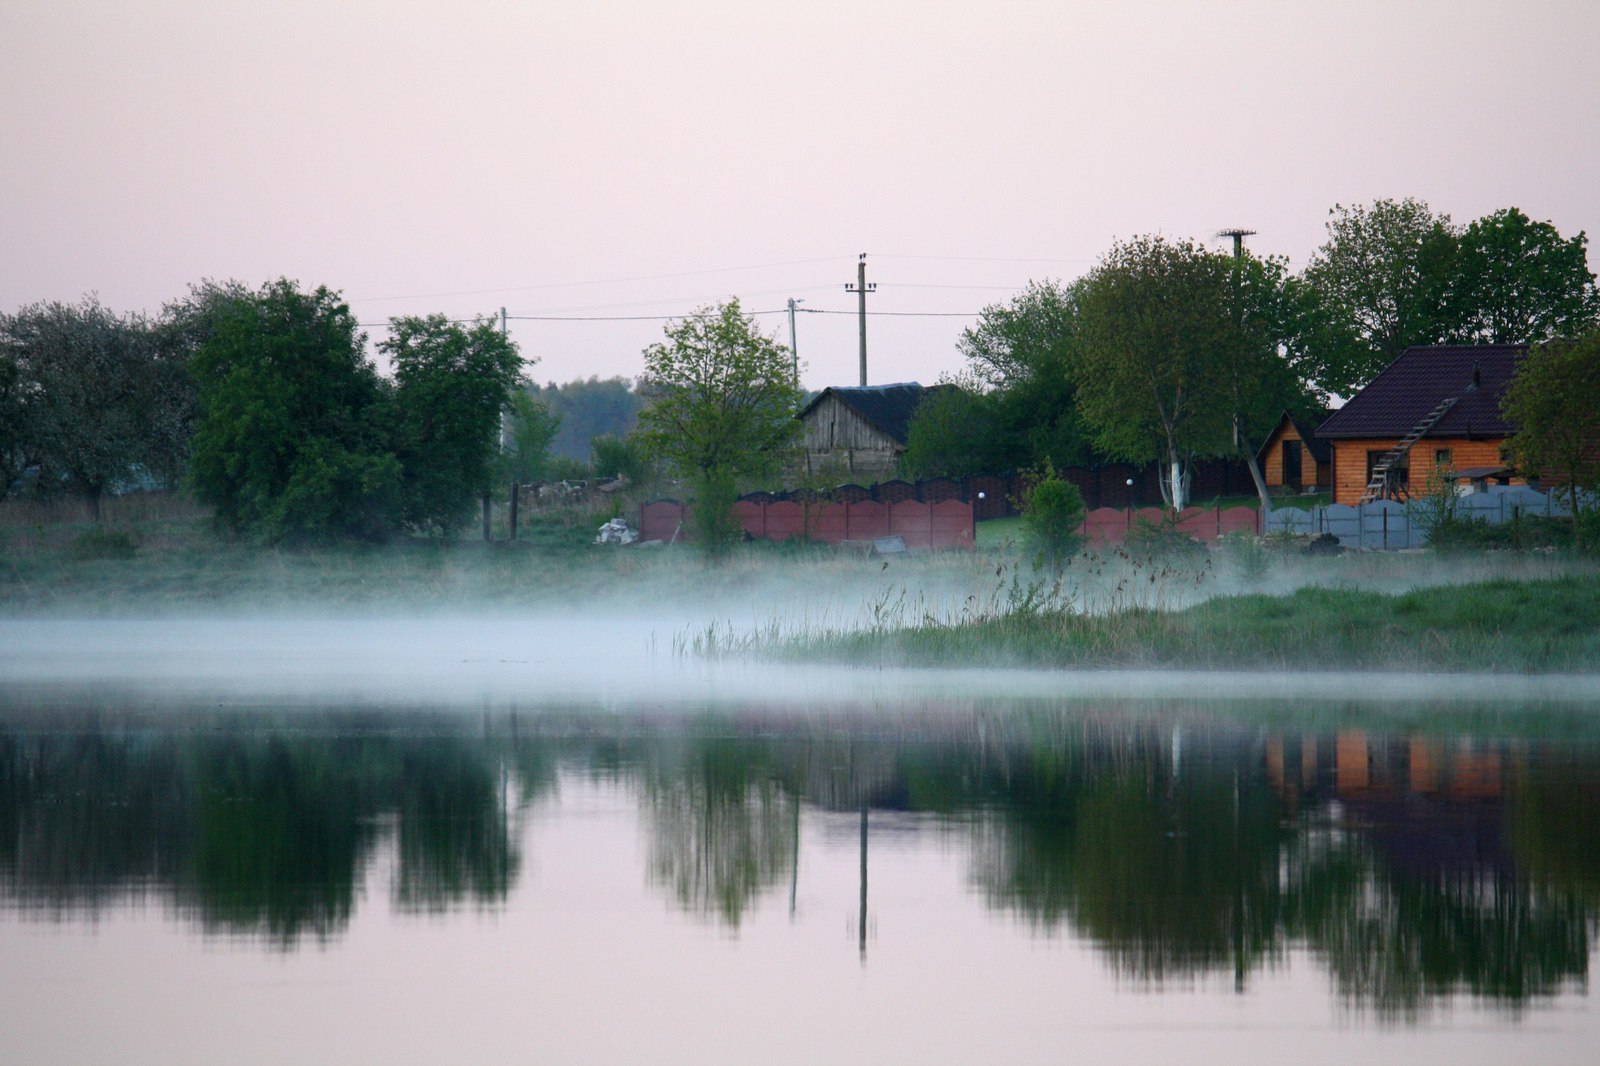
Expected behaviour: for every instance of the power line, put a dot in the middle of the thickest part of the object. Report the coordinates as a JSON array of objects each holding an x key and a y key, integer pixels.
[
  {"x": 600, "y": 281},
  {"x": 668, "y": 318},
  {"x": 983, "y": 258}
]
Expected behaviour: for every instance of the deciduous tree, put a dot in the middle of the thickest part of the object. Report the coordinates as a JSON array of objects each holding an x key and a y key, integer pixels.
[
  {"x": 96, "y": 398},
  {"x": 722, "y": 407},
  {"x": 451, "y": 383},
  {"x": 290, "y": 440},
  {"x": 1519, "y": 281},
  {"x": 1383, "y": 279},
  {"x": 1554, "y": 401},
  {"x": 1159, "y": 335}
]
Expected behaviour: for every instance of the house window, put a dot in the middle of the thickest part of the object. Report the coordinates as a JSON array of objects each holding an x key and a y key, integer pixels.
[
  {"x": 1443, "y": 457},
  {"x": 1399, "y": 474}
]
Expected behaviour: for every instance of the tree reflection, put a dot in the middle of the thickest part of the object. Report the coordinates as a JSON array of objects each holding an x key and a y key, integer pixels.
[
  {"x": 280, "y": 834},
  {"x": 1414, "y": 869},
  {"x": 721, "y": 826},
  {"x": 261, "y": 834},
  {"x": 1171, "y": 874},
  {"x": 454, "y": 839}
]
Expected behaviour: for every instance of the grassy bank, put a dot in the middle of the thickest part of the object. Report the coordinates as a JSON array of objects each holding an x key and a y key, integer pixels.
[{"x": 1495, "y": 626}]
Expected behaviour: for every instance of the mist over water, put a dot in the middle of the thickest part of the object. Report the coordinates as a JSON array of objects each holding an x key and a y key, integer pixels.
[{"x": 537, "y": 828}]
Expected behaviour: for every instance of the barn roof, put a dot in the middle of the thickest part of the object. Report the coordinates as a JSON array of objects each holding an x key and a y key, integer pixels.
[
  {"x": 1400, "y": 397},
  {"x": 887, "y": 408}
]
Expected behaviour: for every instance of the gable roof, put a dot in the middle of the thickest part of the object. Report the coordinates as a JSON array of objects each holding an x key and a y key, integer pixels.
[
  {"x": 887, "y": 408},
  {"x": 1400, "y": 397},
  {"x": 1320, "y": 450}
]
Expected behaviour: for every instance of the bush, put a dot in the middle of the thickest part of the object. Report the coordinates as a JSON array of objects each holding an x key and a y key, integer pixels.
[
  {"x": 1246, "y": 554},
  {"x": 1052, "y": 520},
  {"x": 1162, "y": 540},
  {"x": 104, "y": 544}
]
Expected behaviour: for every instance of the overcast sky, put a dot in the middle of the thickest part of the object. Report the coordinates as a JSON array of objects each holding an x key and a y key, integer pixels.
[{"x": 593, "y": 158}]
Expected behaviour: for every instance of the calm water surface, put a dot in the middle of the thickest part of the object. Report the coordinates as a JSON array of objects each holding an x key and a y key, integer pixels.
[{"x": 275, "y": 880}]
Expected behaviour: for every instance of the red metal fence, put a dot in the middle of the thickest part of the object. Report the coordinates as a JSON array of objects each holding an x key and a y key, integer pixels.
[
  {"x": 946, "y": 524},
  {"x": 1107, "y": 525}
]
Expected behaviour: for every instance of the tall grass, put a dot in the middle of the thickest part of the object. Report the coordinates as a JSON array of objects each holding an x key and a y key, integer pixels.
[{"x": 1495, "y": 626}]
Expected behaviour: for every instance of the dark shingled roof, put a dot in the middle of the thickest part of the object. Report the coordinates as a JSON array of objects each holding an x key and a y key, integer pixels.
[
  {"x": 1320, "y": 449},
  {"x": 887, "y": 407},
  {"x": 1397, "y": 400}
]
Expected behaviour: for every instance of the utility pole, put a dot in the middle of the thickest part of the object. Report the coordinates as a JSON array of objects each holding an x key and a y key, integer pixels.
[
  {"x": 861, "y": 288},
  {"x": 794, "y": 345},
  {"x": 1238, "y": 236}
]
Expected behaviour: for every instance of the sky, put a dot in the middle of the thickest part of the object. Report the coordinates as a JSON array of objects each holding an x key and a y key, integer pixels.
[{"x": 594, "y": 166}]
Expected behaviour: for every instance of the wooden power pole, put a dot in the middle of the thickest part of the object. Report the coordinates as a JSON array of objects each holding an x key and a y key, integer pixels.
[{"x": 861, "y": 288}]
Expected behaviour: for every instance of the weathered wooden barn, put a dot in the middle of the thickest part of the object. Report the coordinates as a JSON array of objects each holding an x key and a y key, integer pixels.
[
  {"x": 1294, "y": 459},
  {"x": 1433, "y": 407},
  {"x": 860, "y": 431}
]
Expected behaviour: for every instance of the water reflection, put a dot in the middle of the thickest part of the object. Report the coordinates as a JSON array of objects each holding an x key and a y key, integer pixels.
[{"x": 1413, "y": 867}]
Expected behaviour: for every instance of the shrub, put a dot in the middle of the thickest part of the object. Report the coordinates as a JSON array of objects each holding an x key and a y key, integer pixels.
[
  {"x": 1052, "y": 520},
  {"x": 1162, "y": 540},
  {"x": 104, "y": 544}
]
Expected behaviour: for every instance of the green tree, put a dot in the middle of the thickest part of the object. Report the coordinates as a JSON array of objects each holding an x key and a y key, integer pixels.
[
  {"x": 1265, "y": 367},
  {"x": 722, "y": 407},
  {"x": 591, "y": 408},
  {"x": 1383, "y": 279},
  {"x": 1519, "y": 281},
  {"x": 1026, "y": 354},
  {"x": 1159, "y": 337},
  {"x": 622, "y": 457},
  {"x": 451, "y": 384},
  {"x": 1052, "y": 518},
  {"x": 1554, "y": 401},
  {"x": 290, "y": 437},
  {"x": 19, "y": 436},
  {"x": 531, "y": 426},
  {"x": 96, "y": 398},
  {"x": 956, "y": 432}
]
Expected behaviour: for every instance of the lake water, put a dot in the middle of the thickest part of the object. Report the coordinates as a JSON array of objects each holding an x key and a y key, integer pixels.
[{"x": 256, "y": 845}]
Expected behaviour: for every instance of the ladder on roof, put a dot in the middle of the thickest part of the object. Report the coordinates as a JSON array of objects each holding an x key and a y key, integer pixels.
[{"x": 1379, "y": 487}]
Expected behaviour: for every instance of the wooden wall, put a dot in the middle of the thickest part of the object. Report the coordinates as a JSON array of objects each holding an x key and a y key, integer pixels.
[
  {"x": 838, "y": 438},
  {"x": 1350, "y": 461},
  {"x": 1312, "y": 473}
]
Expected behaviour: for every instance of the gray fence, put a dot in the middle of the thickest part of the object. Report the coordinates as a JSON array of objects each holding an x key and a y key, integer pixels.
[{"x": 1385, "y": 524}]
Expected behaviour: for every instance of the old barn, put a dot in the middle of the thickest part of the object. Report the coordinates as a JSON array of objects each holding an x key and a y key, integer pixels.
[{"x": 860, "y": 431}]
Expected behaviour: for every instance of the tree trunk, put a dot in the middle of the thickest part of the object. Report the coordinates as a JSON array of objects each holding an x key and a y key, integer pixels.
[
  {"x": 488, "y": 531},
  {"x": 1255, "y": 468},
  {"x": 1176, "y": 466}
]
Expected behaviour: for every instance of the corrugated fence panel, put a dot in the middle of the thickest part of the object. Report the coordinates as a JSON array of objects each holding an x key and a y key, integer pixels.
[
  {"x": 909, "y": 520},
  {"x": 660, "y": 519},
  {"x": 868, "y": 520},
  {"x": 951, "y": 524},
  {"x": 785, "y": 520}
]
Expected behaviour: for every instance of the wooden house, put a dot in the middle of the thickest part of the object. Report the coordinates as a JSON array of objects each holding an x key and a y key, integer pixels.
[
  {"x": 1293, "y": 459},
  {"x": 1433, "y": 407},
  {"x": 860, "y": 431}
]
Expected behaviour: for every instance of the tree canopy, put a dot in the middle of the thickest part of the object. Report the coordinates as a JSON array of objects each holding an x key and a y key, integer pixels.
[
  {"x": 291, "y": 434},
  {"x": 451, "y": 384},
  {"x": 1159, "y": 337},
  {"x": 722, "y": 405},
  {"x": 89, "y": 399},
  {"x": 1554, "y": 401},
  {"x": 1383, "y": 276},
  {"x": 1520, "y": 281}
]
